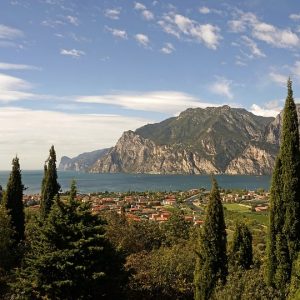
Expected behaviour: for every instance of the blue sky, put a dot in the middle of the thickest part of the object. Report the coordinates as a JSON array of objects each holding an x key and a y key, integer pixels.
[{"x": 77, "y": 74}]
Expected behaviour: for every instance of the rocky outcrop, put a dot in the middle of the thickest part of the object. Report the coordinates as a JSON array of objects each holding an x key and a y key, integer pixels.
[
  {"x": 82, "y": 162},
  {"x": 272, "y": 133},
  {"x": 134, "y": 154},
  {"x": 253, "y": 160}
]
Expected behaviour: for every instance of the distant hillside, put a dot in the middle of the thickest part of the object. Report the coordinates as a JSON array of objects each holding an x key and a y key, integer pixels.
[
  {"x": 199, "y": 141},
  {"x": 81, "y": 162}
]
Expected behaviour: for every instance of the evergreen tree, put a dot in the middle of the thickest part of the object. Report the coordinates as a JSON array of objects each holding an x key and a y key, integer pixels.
[
  {"x": 211, "y": 266},
  {"x": 284, "y": 227},
  {"x": 6, "y": 240},
  {"x": 14, "y": 200},
  {"x": 7, "y": 253},
  {"x": 242, "y": 254},
  {"x": 70, "y": 257},
  {"x": 290, "y": 158},
  {"x": 50, "y": 186}
]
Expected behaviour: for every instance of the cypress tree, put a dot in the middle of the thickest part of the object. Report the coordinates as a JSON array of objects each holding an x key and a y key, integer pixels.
[
  {"x": 14, "y": 200},
  {"x": 284, "y": 227},
  {"x": 50, "y": 186},
  {"x": 211, "y": 265},
  {"x": 242, "y": 254},
  {"x": 290, "y": 158}
]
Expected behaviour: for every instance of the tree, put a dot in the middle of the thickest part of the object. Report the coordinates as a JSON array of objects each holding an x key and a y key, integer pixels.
[
  {"x": 6, "y": 239},
  {"x": 70, "y": 257},
  {"x": 14, "y": 200},
  {"x": 50, "y": 186},
  {"x": 242, "y": 254},
  {"x": 211, "y": 266},
  {"x": 176, "y": 228},
  {"x": 7, "y": 253},
  {"x": 284, "y": 227}
]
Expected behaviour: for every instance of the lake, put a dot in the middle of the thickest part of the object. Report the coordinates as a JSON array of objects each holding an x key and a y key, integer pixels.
[{"x": 120, "y": 182}]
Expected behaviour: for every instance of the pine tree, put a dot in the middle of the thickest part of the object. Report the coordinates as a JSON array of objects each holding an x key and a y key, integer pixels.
[
  {"x": 14, "y": 200},
  {"x": 70, "y": 257},
  {"x": 284, "y": 227},
  {"x": 242, "y": 254},
  {"x": 211, "y": 266},
  {"x": 50, "y": 186}
]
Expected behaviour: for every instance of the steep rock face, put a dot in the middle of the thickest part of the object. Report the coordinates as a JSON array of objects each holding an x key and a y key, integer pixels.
[
  {"x": 133, "y": 153},
  {"x": 272, "y": 133},
  {"x": 82, "y": 162},
  {"x": 218, "y": 134},
  {"x": 198, "y": 141},
  {"x": 253, "y": 160}
]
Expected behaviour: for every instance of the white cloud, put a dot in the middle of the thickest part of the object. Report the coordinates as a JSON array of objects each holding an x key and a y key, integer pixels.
[
  {"x": 119, "y": 33},
  {"x": 9, "y": 33},
  {"x": 13, "y": 88},
  {"x": 278, "y": 78},
  {"x": 296, "y": 69},
  {"x": 168, "y": 48},
  {"x": 268, "y": 33},
  {"x": 73, "y": 20},
  {"x": 139, "y": 6},
  {"x": 142, "y": 39},
  {"x": 148, "y": 15},
  {"x": 8, "y": 66},
  {"x": 264, "y": 111},
  {"x": 294, "y": 17},
  {"x": 255, "y": 51},
  {"x": 113, "y": 13},
  {"x": 30, "y": 133},
  {"x": 170, "y": 102},
  {"x": 72, "y": 52},
  {"x": 204, "y": 10},
  {"x": 222, "y": 87},
  {"x": 178, "y": 25},
  {"x": 52, "y": 23}
]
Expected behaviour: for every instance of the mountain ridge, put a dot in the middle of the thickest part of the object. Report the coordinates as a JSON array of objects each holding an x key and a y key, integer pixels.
[{"x": 214, "y": 140}]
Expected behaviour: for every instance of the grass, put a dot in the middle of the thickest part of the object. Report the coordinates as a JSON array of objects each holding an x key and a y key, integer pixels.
[{"x": 236, "y": 207}]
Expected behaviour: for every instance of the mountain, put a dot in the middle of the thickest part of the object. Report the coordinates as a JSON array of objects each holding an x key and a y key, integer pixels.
[
  {"x": 82, "y": 162},
  {"x": 218, "y": 140}
]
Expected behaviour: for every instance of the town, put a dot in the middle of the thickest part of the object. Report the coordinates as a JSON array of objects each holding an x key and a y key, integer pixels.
[{"x": 158, "y": 206}]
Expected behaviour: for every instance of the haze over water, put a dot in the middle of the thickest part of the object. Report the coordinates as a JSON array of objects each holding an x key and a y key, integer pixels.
[{"x": 88, "y": 183}]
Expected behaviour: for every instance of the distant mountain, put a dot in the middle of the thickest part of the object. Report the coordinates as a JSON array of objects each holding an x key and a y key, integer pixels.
[
  {"x": 214, "y": 140},
  {"x": 82, "y": 162}
]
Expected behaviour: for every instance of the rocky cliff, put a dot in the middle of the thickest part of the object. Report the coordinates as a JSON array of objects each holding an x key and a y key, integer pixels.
[
  {"x": 199, "y": 141},
  {"x": 134, "y": 154},
  {"x": 82, "y": 162}
]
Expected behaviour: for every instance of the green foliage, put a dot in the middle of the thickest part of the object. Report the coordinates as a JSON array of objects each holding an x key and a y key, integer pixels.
[
  {"x": 50, "y": 186},
  {"x": 284, "y": 228},
  {"x": 69, "y": 257},
  {"x": 6, "y": 239},
  {"x": 246, "y": 285},
  {"x": 241, "y": 254},
  {"x": 176, "y": 229},
  {"x": 131, "y": 236},
  {"x": 211, "y": 266},
  {"x": 295, "y": 280},
  {"x": 7, "y": 253},
  {"x": 13, "y": 200},
  {"x": 165, "y": 273}
]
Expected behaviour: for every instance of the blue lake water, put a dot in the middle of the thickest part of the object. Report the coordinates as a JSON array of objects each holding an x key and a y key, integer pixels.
[{"x": 88, "y": 183}]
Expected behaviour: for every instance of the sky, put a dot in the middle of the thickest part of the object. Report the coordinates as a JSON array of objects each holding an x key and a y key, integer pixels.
[{"x": 76, "y": 74}]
